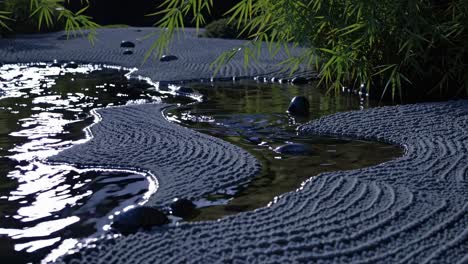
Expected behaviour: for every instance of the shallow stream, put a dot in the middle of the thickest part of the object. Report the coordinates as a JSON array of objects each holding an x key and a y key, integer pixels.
[{"x": 45, "y": 209}]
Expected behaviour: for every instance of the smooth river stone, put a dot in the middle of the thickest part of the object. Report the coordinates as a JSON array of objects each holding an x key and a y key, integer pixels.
[
  {"x": 299, "y": 106},
  {"x": 127, "y": 44},
  {"x": 143, "y": 217}
]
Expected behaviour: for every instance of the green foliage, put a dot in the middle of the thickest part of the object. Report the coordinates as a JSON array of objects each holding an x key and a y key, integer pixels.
[
  {"x": 388, "y": 44},
  {"x": 172, "y": 21},
  {"x": 18, "y": 13},
  {"x": 395, "y": 46},
  {"x": 43, "y": 15},
  {"x": 4, "y": 17},
  {"x": 223, "y": 28}
]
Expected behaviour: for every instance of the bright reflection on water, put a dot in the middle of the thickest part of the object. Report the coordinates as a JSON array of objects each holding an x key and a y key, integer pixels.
[
  {"x": 44, "y": 110},
  {"x": 46, "y": 209}
]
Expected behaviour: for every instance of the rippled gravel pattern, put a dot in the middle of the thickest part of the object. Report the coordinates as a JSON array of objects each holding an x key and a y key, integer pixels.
[
  {"x": 186, "y": 163},
  {"x": 195, "y": 54},
  {"x": 410, "y": 210}
]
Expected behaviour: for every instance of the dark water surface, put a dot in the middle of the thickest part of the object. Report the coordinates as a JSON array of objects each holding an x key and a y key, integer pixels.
[
  {"x": 49, "y": 206},
  {"x": 246, "y": 112},
  {"x": 45, "y": 209}
]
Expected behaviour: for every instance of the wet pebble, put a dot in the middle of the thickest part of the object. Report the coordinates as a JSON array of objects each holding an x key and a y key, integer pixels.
[
  {"x": 127, "y": 44},
  {"x": 295, "y": 149},
  {"x": 165, "y": 58},
  {"x": 144, "y": 217},
  {"x": 71, "y": 65},
  {"x": 128, "y": 52},
  {"x": 182, "y": 208},
  {"x": 299, "y": 105},
  {"x": 299, "y": 80}
]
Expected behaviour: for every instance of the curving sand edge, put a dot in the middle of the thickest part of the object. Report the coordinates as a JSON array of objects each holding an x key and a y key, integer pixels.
[{"x": 410, "y": 210}]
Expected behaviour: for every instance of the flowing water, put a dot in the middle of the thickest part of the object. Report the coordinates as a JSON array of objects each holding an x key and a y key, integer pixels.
[{"x": 45, "y": 209}]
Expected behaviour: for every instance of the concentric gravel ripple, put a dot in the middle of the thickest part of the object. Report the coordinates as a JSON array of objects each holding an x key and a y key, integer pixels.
[
  {"x": 410, "y": 210},
  {"x": 186, "y": 163}
]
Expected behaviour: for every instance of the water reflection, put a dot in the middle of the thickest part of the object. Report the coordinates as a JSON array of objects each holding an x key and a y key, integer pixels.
[
  {"x": 46, "y": 208},
  {"x": 43, "y": 110},
  {"x": 252, "y": 115}
]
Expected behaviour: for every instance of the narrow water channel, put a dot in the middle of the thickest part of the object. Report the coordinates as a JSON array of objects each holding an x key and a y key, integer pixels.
[
  {"x": 252, "y": 115},
  {"x": 47, "y": 207}
]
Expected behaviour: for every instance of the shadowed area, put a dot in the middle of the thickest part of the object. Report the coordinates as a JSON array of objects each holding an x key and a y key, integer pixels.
[{"x": 411, "y": 210}]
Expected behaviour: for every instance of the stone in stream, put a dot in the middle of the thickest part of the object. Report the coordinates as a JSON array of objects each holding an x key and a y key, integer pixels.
[
  {"x": 127, "y": 44},
  {"x": 165, "y": 58},
  {"x": 139, "y": 217},
  {"x": 71, "y": 65},
  {"x": 299, "y": 80},
  {"x": 128, "y": 52},
  {"x": 299, "y": 106},
  {"x": 295, "y": 149},
  {"x": 182, "y": 207}
]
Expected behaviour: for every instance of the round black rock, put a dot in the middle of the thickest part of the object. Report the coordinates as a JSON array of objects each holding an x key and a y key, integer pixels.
[
  {"x": 299, "y": 80},
  {"x": 182, "y": 208},
  {"x": 139, "y": 217},
  {"x": 299, "y": 106},
  {"x": 165, "y": 58},
  {"x": 127, "y": 44},
  {"x": 128, "y": 52},
  {"x": 295, "y": 149},
  {"x": 71, "y": 65}
]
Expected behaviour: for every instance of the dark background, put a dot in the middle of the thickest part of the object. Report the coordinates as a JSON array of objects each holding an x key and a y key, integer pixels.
[{"x": 132, "y": 12}]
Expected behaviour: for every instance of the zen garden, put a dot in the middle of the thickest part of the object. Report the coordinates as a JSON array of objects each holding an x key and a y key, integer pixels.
[{"x": 243, "y": 131}]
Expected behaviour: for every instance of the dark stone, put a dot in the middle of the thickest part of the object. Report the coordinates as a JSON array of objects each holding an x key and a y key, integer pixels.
[
  {"x": 127, "y": 44},
  {"x": 299, "y": 80},
  {"x": 185, "y": 90},
  {"x": 295, "y": 149},
  {"x": 128, "y": 52},
  {"x": 299, "y": 106},
  {"x": 182, "y": 208},
  {"x": 165, "y": 58},
  {"x": 71, "y": 65},
  {"x": 255, "y": 140},
  {"x": 139, "y": 217}
]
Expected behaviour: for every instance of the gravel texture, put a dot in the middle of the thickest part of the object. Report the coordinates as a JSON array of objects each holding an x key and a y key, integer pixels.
[
  {"x": 195, "y": 54},
  {"x": 410, "y": 210}
]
